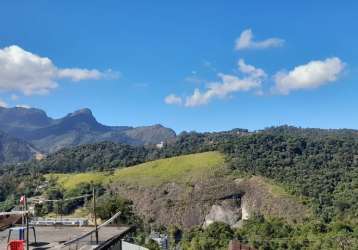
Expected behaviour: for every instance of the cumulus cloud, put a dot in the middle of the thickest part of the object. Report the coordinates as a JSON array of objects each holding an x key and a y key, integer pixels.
[
  {"x": 246, "y": 41},
  {"x": 173, "y": 99},
  {"x": 3, "y": 104},
  {"x": 228, "y": 84},
  {"x": 308, "y": 76},
  {"x": 28, "y": 73}
]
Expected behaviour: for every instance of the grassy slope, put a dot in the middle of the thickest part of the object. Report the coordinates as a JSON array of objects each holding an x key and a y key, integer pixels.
[
  {"x": 178, "y": 169},
  {"x": 70, "y": 181}
]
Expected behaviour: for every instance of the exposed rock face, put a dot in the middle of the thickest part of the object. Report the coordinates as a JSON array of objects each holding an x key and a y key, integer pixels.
[
  {"x": 257, "y": 198},
  {"x": 211, "y": 200},
  {"x": 245, "y": 214},
  {"x": 227, "y": 212},
  {"x": 261, "y": 197},
  {"x": 185, "y": 205}
]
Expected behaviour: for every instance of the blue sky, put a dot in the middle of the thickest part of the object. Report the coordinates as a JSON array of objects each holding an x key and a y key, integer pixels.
[{"x": 122, "y": 59}]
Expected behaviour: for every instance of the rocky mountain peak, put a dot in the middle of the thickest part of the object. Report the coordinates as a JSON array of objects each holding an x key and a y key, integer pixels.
[
  {"x": 82, "y": 112},
  {"x": 20, "y": 116}
]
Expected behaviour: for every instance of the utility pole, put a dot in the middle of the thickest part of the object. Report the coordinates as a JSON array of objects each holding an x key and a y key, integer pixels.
[
  {"x": 61, "y": 204},
  {"x": 94, "y": 212}
]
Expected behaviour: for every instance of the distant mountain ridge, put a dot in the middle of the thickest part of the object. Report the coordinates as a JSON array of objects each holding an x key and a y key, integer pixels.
[{"x": 80, "y": 127}]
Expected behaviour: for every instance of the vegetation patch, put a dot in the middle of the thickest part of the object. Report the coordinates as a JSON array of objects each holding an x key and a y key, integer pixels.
[
  {"x": 72, "y": 181},
  {"x": 180, "y": 169},
  {"x": 263, "y": 196}
]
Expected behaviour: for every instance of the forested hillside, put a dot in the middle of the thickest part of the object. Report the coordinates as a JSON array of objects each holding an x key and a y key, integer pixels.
[
  {"x": 13, "y": 150},
  {"x": 320, "y": 167}
]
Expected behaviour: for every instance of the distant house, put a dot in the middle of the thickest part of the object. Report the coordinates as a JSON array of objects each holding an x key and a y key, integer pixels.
[
  {"x": 160, "y": 145},
  {"x": 161, "y": 239}
]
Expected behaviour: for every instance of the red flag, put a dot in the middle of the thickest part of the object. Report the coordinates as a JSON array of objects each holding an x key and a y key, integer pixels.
[{"x": 22, "y": 199}]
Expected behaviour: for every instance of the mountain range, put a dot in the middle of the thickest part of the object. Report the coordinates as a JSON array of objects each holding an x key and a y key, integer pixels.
[{"x": 37, "y": 133}]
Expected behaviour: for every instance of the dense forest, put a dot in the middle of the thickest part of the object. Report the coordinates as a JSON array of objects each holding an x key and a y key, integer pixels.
[
  {"x": 319, "y": 165},
  {"x": 322, "y": 166}
]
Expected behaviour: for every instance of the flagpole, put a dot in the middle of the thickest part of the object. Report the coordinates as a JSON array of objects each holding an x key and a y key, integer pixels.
[
  {"x": 94, "y": 212},
  {"x": 22, "y": 216},
  {"x": 27, "y": 225}
]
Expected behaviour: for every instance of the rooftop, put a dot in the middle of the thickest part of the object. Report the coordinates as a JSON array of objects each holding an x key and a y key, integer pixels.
[{"x": 50, "y": 237}]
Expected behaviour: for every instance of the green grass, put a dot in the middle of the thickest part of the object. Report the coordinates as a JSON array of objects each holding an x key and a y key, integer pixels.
[
  {"x": 180, "y": 169},
  {"x": 70, "y": 181}
]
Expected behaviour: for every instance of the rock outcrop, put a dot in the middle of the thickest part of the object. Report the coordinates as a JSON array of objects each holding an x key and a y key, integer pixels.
[
  {"x": 227, "y": 212},
  {"x": 265, "y": 198}
]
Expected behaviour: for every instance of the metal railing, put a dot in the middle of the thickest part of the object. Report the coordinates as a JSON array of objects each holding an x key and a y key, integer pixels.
[
  {"x": 89, "y": 238},
  {"x": 116, "y": 242}
]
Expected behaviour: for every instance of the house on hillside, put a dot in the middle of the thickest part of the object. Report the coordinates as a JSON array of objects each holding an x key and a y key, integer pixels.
[{"x": 161, "y": 239}]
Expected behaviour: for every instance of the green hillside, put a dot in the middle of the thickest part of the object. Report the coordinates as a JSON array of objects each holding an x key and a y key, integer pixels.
[
  {"x": 180, "y": 169},
  {"x": 300, "y": 185},
  {"x": 71, "y": 181}
]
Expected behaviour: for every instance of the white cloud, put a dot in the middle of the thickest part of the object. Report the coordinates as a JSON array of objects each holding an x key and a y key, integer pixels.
[
  {"x": 173, "y": 99},
  {"x": 228, "y": 84},
  {"x": 76, "y": 74},
  {"x": 251, "y": 70},
  {"x": 23, "y": 106},
  {"x": 311, "y": 75},
  {"x": 3, "y": 104},
  {"x": 245, "y": 41},
  {"x": 28, "y": 73},
  {"x": 25, "y": 72}
]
